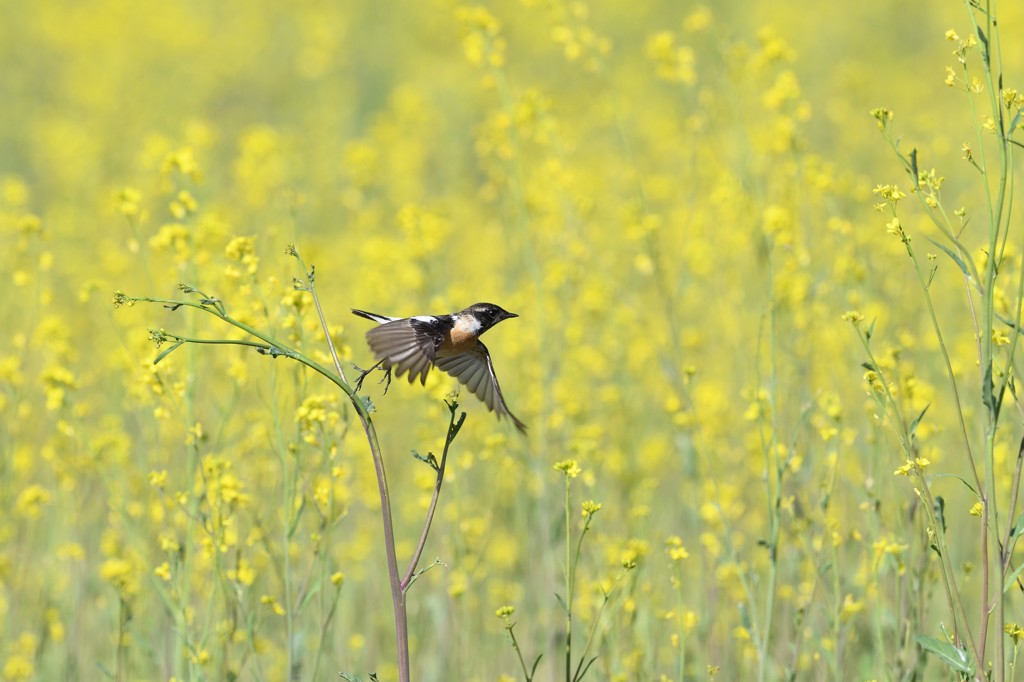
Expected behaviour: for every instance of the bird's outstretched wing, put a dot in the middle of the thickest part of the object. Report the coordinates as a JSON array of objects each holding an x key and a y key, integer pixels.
[
  {"x": 409, "y": 345},
  {"x": 474, "y": 369}
]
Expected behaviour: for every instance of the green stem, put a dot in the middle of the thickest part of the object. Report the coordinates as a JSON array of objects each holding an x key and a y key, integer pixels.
[
  {"x": 773, "y": 483},
  {"x": 568, "y": 585},
  {"x": 515, "y": 645},
  {"x": 453, "y": 430}
]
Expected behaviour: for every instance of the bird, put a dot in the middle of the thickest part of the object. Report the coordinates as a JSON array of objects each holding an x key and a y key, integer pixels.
[{"x": 449, "y": 342}]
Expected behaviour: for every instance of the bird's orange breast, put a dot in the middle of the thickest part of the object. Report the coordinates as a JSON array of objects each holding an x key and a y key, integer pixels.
[{"x": 459, "y": 340}]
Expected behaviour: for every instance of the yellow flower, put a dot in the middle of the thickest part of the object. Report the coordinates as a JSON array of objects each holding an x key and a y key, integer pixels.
[
  {"x": 851, "y": 606},
  {"x": 698, "y": 19},
  {"x": 183, "y": 205},
  {"x": 243, "y": 250},
  {"x": 674, "y": 63},
  {"x": 570, "y": 467},
  {"x": 481, "y": 42},
  {"x": 31, "y": 500},
  {"x": 163, "y": 571},
  {"x": 883, "y": 116},
  {"x": 675, "y": 549},
  {"x": 182, "y": 161},
  {"x": 158, "y": 479},
  {"x": 128, "y": 202},
  {"x": 122, "y": 574},
  {"x": 272, "y": 604},
  {"x": 505, "y": 612},
  {"x": 590, "y": 508},
  {"x": 245, "y": 574}
]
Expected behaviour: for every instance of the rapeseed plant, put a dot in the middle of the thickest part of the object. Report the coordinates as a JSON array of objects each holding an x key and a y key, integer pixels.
[{"x": 678, "y": 201}]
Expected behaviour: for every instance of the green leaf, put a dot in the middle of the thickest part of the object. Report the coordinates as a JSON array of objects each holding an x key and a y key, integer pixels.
[
  {"x": 940, "y": 511},
  {"x": 1012, "y": 578},
  {"x": 429, "y": 459},
  {"x": 582, "y": 673},
  {"x": 956, "y": 658},
  {"x": 917, "y": 420},
  {"x": 953, "y": 255},
  {"x": 959, "y": 478},
  {"x": 986, "y": 391},
  {"x": 168, "y": 352},
  {"x": 565, "y": 607},
  {"x": 309, "y": 595},
  {"x": 533, "y": 670},
  {"x": 1013, "y": 123},
  {"x": 744, "y": 617},
  {"x": 1018, "y": 527},
  {"x": 1008, "y": 323},
  {"x": 298, "y": 515}
]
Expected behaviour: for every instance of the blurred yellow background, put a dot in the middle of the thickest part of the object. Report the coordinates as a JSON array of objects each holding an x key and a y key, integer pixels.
[{"x": 677, "y": 200}]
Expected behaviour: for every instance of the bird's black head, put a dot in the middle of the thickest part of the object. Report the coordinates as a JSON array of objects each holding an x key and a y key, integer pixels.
[{"x": 488, "y": 314}]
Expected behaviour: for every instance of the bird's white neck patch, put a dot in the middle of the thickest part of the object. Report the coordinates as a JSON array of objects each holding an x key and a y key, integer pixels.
[{"x": 468, "y": 323}]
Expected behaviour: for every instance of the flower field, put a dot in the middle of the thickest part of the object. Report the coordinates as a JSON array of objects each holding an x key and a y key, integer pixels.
[{"x": 767, "y": 262}]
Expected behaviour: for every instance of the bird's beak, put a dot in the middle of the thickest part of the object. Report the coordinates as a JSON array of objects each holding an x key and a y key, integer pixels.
[{"x": 509, "y": 315}]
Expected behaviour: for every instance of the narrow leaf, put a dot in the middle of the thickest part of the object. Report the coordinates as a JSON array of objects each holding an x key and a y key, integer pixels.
[
  {"x": 917, "y": 420},
  {"x": 986, "y": 391},
  {"x": 313, "y": 591},
  {"x": 533, "y": 670},
  {"x": 953, "y": 255},
  {"x": 744, "y": 617},
  {"x": 585, "y": 669},
  {"x": 168, "y": 352},
  {"x": 295, "y": 521},
  {"x": 940, "y": 511},
  {"x": 959, "y": 478},
  {"x": 1018, "y": 527},
  {"x": 1013, "y": 122},
  {"x": 1012, "y": 578},
  {"x": 956, "y": 658},
  {"x": 565, "y": 607}
]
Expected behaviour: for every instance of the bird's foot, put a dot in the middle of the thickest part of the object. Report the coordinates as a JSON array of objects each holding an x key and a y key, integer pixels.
[{"x": 364, "y": 372}]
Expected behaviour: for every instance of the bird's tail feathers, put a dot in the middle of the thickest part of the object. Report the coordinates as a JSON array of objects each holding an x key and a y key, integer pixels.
[{"x": 373, "y": 316}]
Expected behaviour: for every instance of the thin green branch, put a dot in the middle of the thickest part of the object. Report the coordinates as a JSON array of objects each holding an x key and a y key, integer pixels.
[{"x": 453, "y": 430}]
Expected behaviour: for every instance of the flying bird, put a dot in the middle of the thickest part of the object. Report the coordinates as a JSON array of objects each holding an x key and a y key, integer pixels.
[{"x": 449, "y": 342}]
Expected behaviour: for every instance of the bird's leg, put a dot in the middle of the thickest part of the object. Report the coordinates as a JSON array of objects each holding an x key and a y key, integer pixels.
[
  {"x": 364, "y": 372},
  {"x": 387, "y": 379}
]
